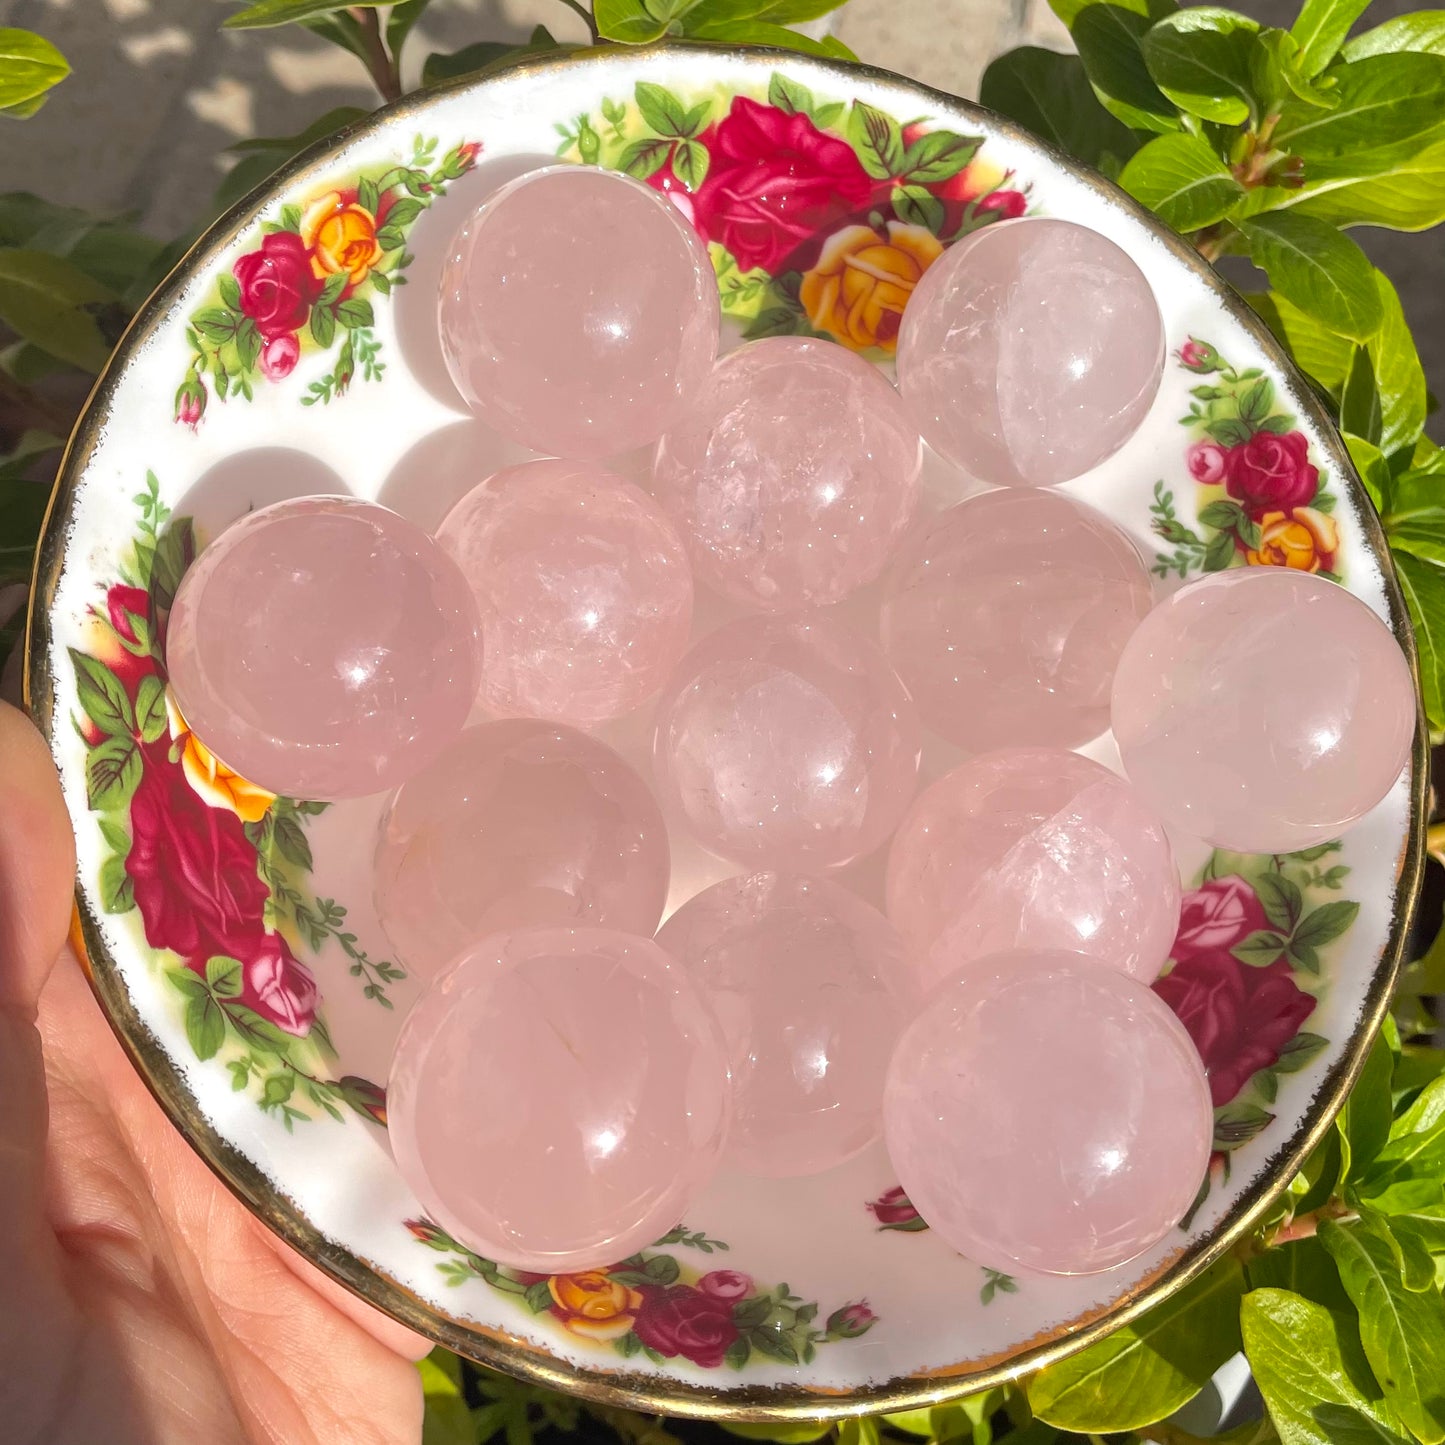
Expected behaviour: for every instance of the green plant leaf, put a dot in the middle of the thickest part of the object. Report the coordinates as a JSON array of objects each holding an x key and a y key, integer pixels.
[
  {"x": 1277, "y": 72},
  {"x": 205, "y": 1026},
  {"x": 1402, "y": 1330},
  {"x": 761, "y": 32},
  {"x": 467, "y": 61},
  {"x": 1388, "y": 106},
  {"x": 785, "y": 1432},
  {"x": 30, "y": 66},
  {"x": 48, "y": 301},
  {"x": 224, "y": 976},
  {"x": 768, "y": 12},
  {"x": 1398, "y": 374},
  {"x": 1360, "y": 399},
  {"x": 289, "y": 12},
  {"x": 1149, "y": 1368},
  {"x": 1366, "y": 1118},
  {"x": 1318, "y": 352},
  {"x": 1182, "y": 180},
  {"x": 1050, "y": 95},
  {"x": 1405, "y": 192},
  {"x": 1110, "y": 39},
  {"x": 628, "y": 21},
  {"x": 1201, "y": 59},
  {"x": 1424, "y": 589},
  {"x": 447, "y": 1421},
  {"x": 1320, "y": 270},
  {"x": 1302, "y": 1266},
  {"x": 1320, "y": 30},
  {"x": 1305, "y": 1359},
  {"x": 1422, "y": 32}
]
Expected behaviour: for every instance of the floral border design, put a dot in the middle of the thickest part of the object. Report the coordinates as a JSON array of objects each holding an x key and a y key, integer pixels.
[
  {"x": 821, "y": 215},
  {"x": 1260, "y": 500},
  {"x": 651, "y": 1304},
  {"x": 311, "y": 283},
  {"x": 215, "y": 866},
  {"x": 1251, "y": 931}
]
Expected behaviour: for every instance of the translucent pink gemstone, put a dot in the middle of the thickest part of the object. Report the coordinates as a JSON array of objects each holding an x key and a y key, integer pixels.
[
  {"x": 1006, "y": 615},
  {"x": 794, "y": 477},
  {"x": 324, "y": 648},
  {"x": 1048, "y": 1115},
  {"x": 1033, "y": 848},
  {"x": 517, "y": 823},
  {"x": 811, "y": 988},
  {"x": 787, "y": 742},
  {"x": 559, "y": 1097},
  {"x": 1263, "y": 709},
  {"x": 583, "y": 587},
  {"x": 579, "y": 312},
  {"x": 1030, "y": 352}
]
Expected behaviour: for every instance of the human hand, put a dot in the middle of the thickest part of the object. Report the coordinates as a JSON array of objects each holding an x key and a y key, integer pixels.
[{"x": 140, "y": 1303}]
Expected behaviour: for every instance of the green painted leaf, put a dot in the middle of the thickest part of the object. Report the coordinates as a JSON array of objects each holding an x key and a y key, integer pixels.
[
  {"x": 102, "y": 695},
  {"x": 918, "y": 207},
  {"x": 1424, "y": 587},
  {"x": 288, "y": 12},
  {"x": 1147, "y": 1369},
  {"x": 1423, "y": 32},
  {"x": 690, "y": 162},
  {"x": 355, "y": 313},
  {"x": 1398, "y": 374},
  {"x": 1320, "y": 30},
  {"x": 1402, "y": 1330},
  {"x": 1306, "y": 1359},
  {"x": 29, "y": 67},
  {"x": 323, "y": 325},
  {"x": 1280, "y": 897},
  {"x": 150, "y": 709},
  {"x": 1318, "y": 269},
  {"x": 938, "y": 156},
  {"x": 643, "y": 158},
  {"x": 1388, "y": 106},
  {"x": 1299, "y": 1051},
  {"x": 661, "y": 109},
  {"x": 1236, "y": 1124},
  {"x": 1110, "y": 39},
  {"x": 538, "y": 1296},
  {"x": 224, "y": 976},
  {"x": 205, "y": 1026},
  {"x": 117, "y": 891},
  {"x": 1261, "y": 948},
  {"x": 1183, "y": 181},
  {"x": 1201, "y": 59},
  {"x": 790, "y": 96},
  {"x": 878, "y": 140},
  {"x": 112, "y": 769},
  {"x": 1050, "y": 95},
  {"x": 1326, "y": 923},
  {"x": 628, "y": 21},
  {"x": 260, "y": 1033}
]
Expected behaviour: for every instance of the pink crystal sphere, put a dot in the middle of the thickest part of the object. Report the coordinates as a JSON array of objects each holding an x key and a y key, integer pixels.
[
  {"x": 558, "y": 1097},
  {"x": 1006, "y": 615},
  {"x": 794, "y": 476},
  {"x": 583, "y": 587},
  {"x": 1048, "y": 1115},
  {"x": 579, "y": 312},
  {"x": 1030, "y": 352},
  {"x": 518, "y": 823},
  {"x": 810, "y": 986},
  {"x": 324, "y": 648},
  {"x": 1036, "y": 849},
  {"x": 787, "y": 741},
  {"x": 1263, "y": 709}
]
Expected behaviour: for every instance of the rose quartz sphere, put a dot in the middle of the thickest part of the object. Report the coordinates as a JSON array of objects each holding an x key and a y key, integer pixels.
[
  {"x": 794, "y": 477},
  {"x": 787, "y": 742},
  {"x": 1048, "y": 1115},
  {"x": 1033, "y": 848},
  {"x": 1030, "y": 352},
  {"x": 579, "y": 312},
  {"x": 559, "y": 1097},
  {"x": 1005, "y": 616},
  {"x": 324, "y": 648},
  {"x": 583, "y": 587},
  {"x": 517, "y": 823},
  {"x": 811, "y": 988},
  {"x": 1263, "y": 709}
]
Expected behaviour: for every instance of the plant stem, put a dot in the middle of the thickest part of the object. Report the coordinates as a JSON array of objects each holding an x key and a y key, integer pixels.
[
  {"x": 23, "y": 409},
  {"x": 586, "y": 15},
  {"x": 381, "y": 66}
]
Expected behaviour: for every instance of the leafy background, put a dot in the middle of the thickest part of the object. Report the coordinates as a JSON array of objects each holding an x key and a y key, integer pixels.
[{"x": 1262, "y": 144}]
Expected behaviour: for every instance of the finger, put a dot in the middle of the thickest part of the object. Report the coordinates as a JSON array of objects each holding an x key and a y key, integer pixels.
[{"x": 37, "y": 864}]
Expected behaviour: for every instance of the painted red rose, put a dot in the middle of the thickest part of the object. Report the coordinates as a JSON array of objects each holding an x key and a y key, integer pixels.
[
  {"x": 192, "y": 867},
  {"x": 1010, "y": 205},
  {"x": 774, "y": 181},
  {"x": 278, "y": 986},
  {"x": 1239, "y": 1017},
  {"x": 681, "y": 1320},
  {"x": 1271, "y": 473},
  {"x": 1216, "y": 916},
  {"x": 277, "y": 284}
]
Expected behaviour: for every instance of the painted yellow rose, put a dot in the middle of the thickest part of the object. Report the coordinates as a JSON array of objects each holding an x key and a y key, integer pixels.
[
  {"x": 211, "y": 778},
  {"x": 341, "y": 236},
  {"x": 594, "y": 1306},
  {"x": 1306, "y": 540},
  {"x": 862, "y": 281}
]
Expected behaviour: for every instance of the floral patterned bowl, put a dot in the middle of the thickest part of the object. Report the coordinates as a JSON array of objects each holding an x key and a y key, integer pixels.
[{"x": 231, "y": 935}]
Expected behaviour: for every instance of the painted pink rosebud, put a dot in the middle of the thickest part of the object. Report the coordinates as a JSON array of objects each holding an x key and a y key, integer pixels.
[
  {"x": 726, "y": 1284},
  {"x": 191, "y": 402},
  {"x": 280, "y": 355},
  {"x": 851, "y": 1321},
  {"x": 1207, "y": 462},
  {"x": 1198, "y": 356}
]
